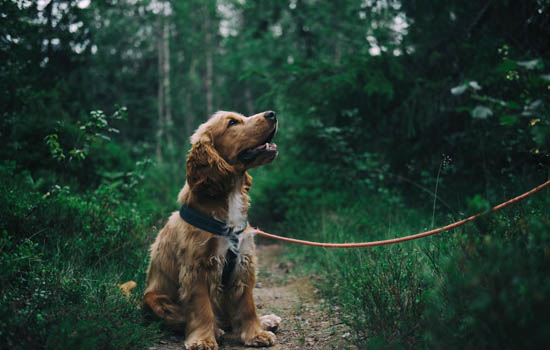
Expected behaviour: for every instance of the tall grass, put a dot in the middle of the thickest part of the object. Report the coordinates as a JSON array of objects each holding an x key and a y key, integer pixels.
[{"x": 481, "y": 286}]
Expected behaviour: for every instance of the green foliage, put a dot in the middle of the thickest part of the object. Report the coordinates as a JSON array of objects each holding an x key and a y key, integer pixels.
[
  {"x": 65, "y": 251},
  {"x": 515, "y": 98},
  {"x": 384, "y": 287},
  {"x": 369, "y": 94},
  {"x": 479, "y": 287},
  {"x": 378, "y": 289},
  {"x": 492, "y": 286},
  {"x": 56, "y": 151},
  {"x": 63, "y": 255},
  {"x": 51, "y": 304}
]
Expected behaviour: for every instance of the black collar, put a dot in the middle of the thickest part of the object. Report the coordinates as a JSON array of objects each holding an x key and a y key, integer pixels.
[{"x": 208, "y": 223}]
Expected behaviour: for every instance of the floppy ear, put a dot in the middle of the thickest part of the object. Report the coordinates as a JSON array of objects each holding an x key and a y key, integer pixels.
[
  {"x": 206, "y": 170},
  {"x": 247, "y": 184}
]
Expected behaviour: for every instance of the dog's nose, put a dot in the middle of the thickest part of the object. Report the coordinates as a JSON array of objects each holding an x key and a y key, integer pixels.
[{"x": 270, "y": 115}]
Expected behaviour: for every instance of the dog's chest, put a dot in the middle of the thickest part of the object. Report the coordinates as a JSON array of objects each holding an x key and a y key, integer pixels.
[
  {"x": 235, "y": 209},
  {"x": 236, "y": 219},
  {"x": 240, "y": 244}
]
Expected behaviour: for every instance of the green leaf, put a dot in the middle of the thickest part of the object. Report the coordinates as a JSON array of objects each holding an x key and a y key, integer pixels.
[
  {"x": 531, "y": 64},
  {"x": 112, "y": 175},
  {"x": 539, "y": 134},
  {"x": 513, "y": 105},
  {"x": 459, "y": 90},
  {"x": 474, "y": 85},
  {"x": 482, "y": 112},
  {"x": 478, "y": 204},
  {"x": 509, "y": 120},
  {"x": 378, "y": 84},
  {"x": 463, "y": 109},
  {"x": 506, "y": 66}
]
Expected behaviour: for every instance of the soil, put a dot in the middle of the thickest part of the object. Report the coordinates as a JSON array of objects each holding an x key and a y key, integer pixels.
[{"x": 307, "y": 322}]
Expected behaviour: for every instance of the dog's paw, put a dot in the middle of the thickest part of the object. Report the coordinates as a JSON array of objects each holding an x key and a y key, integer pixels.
[
  {"x": 218, "y": 333},
  {"x": 270, "y": 322},
  {"x": 202, "y": 344},
  {"x": 261, "y": 338}
]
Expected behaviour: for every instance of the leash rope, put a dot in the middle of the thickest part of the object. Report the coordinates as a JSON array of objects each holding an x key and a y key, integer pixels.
[{"x": 406, "y": 238}]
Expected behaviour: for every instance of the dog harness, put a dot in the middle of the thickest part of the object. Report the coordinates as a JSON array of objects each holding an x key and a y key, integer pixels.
[{"x": 218, "y": 228}]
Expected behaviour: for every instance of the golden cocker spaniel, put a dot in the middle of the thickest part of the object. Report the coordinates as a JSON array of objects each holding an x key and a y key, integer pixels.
[{"x": 203, "y": 266}]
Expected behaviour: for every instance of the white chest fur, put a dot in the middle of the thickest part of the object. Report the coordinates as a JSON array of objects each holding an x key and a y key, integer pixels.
[
  {"x": 235, "y": 215},
  {"x": 236, "y": 218}
]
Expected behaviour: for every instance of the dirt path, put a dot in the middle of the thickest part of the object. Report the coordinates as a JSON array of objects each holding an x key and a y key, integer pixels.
[{"x": 306, "y": 322}]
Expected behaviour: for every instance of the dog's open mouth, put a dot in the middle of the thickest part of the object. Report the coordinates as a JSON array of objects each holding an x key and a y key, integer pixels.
[{"x": 264, "y": 147}]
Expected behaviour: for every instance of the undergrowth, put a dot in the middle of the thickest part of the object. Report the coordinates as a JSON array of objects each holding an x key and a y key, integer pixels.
[
  {"x": 478, "y": 287},
  {"x": 77, "y": 224},
  {"x": 62, "y": 256},
  {"x": 70, "y": 233}
]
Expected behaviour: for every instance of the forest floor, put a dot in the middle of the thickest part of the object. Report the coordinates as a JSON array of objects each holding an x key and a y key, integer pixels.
[{"x": 307, "y": 321}]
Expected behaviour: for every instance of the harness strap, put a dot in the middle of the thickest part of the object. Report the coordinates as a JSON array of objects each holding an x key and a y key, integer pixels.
[
  {"x": 230, "y": 259},
  {"x": 218, "y": 228}
]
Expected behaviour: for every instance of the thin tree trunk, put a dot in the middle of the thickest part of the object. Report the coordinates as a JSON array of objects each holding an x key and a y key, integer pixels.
[
  {"x": 168, "y": 124},
  {"x": 160, "y": 97},
  {"x": 49, "y": 26},
  {"x": 338, "y": 50},
  {"x": 189, "y": 119},
  {"x": 300, "y": 22},
  {"x": 209, "y": 74},
  {"x": 249, "y": 102}
]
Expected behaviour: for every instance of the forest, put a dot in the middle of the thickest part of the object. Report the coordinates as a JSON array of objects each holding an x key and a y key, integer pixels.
[{"x": 395, "y": 116}]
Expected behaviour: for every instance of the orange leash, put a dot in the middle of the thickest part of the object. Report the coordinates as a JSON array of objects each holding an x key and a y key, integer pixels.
[{"x": 406, "y": 238}]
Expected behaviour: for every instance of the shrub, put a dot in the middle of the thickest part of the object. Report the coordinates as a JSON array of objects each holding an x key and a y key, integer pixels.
[
  {"x": 62, "y": 256},
  {"x": 493, "y": 285},
  {"x": 481, "y": 286}
]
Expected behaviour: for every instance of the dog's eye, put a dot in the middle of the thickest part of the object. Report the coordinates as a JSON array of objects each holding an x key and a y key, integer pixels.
[{"x": 232, "y": 122}]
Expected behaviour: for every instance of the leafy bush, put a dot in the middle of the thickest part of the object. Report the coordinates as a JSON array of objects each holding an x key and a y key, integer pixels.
[
  {"x": 492, "y": 285},
  {"x": 51, "y": 304},
  {"x": 73, "y": 226},
  {"x": 63, "y": 254}
]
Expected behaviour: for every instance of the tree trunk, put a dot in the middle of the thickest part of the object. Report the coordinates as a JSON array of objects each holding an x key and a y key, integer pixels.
[
  {"x": 338, "y": 50},
  {"x": 49, "y": 26},
  {"x": 303, "y": 33},
  {"x": 189, "y": 118},
  {"x": 168, "y": 124},
  {"x": 160, "y": 96},
  {"x": 208, "y": 48},
  {"x": 249, "y": 102}
]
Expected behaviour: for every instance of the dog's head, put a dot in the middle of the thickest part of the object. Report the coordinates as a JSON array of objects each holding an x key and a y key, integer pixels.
[{"x": 229, "y": 144}]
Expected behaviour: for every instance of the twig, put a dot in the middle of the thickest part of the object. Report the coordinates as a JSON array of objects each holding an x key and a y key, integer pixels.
[
  {"x": 401, "y": 178},
  {"x": 37, "y": 232},
  {"x": 111, "y": 252},
  {"x": 435, "y": 192},
  {"x": 478, "y": 18},
  {"x": 417, "y": 185}
]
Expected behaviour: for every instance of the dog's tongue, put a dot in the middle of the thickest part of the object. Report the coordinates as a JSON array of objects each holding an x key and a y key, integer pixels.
[{"x": 267, "y": 145}]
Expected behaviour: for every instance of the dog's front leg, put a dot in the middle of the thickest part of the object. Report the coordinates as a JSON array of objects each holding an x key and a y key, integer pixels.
[
  {"x": 244, "y": 318},
  {"x": 199, "y": 329},
  {"x": 252, "y": 332}
]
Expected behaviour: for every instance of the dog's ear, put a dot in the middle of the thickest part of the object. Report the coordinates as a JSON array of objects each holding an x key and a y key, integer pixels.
[
  {"x": 247, "y": 184},
  {"x": 206, "y": 170}
]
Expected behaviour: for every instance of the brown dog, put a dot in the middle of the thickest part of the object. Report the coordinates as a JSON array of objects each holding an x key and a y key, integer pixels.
[{"x": 203, "y": 266}]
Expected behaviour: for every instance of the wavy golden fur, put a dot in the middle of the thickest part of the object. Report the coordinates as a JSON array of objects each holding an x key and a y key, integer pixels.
[{"x": 184, "y": 276}]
